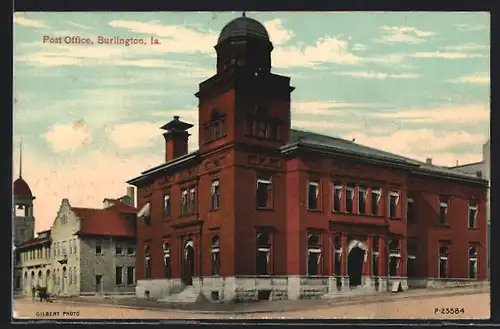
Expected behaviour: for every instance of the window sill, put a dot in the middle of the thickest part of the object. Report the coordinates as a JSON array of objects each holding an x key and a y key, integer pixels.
[
  {"x": 264, "y": 209},
  {"x": 213, "y": 210},
  {"x": 315, "y": 210},
  {"x": 443, "y": 225},
  {"x": 356, "y": 214},
  {"x": 188, "y": 215},
  {"x": 473, "y": 228},
  {"x": 396, "y": 218}
]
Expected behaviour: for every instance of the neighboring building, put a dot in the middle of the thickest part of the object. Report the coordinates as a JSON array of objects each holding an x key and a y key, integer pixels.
[
  {"x": 481, "y": 169},
  {"x": 93, "y": 250},
  {"x": 35, "y": 262},
  {"x": 264, "y": 211},
  {"x": 23, "y": 228},
  {"x": 129, "y": 198}
]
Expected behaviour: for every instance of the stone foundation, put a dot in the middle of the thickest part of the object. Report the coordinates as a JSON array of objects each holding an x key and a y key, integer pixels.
[{"x": 254, "y": 288}]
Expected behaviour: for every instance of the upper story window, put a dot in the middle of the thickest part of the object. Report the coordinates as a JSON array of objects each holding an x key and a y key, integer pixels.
[
  {"x": 313, "y": 195},
  {"x": 188, "y": 201},
  {"x": 264, "y": 193},
  {"x": 410, "y": 211},
  {"x": 216, "y": 128},
  {"x": 376, "y": 196},
  {"x": 98, "y": 248},
  {"x": 443, "y": 211},
  {"x": 261, "y": 126},
  {"x": 393, "y": 203},
  {"x": 349, "y": 195},
  {"x": 118, "y": 250},
  {"x": 472, "y": 215},
  {"x": 215, "y": 194},
  {"x": 362, "y": 200},
  {"x": 337, "y": 196},
  {"x": 166, "y": 205}
]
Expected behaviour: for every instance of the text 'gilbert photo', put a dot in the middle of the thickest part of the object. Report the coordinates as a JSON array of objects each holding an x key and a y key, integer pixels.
[{"x": 251, "y": 165}]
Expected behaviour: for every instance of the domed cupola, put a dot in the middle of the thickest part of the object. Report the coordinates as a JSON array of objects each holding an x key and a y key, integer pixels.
[
  {"x": 244, "y": 43},
  {"x": 22, "y": 189}
]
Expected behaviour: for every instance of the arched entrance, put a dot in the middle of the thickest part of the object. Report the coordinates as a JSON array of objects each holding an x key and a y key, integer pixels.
[
  {"x": 47, "y": 281},
  {"x": 355, "y": 260},
  {"x": 32, "y": 280},
  {"x": 26, "y": 284},
  {"x": 188, "y": 263},
  {"x": 39, "y": 281},
  {"x": 63, "y": 280}
]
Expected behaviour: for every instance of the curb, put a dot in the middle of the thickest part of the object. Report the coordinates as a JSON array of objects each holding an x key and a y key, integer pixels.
[{"x": 331, "y": 303}]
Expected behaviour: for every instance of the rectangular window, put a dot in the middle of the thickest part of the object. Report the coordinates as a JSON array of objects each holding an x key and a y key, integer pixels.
[
  {"x": 393, "y": 203},
  {"x": 443, "y": 210},
  {"x": 130, "y": 251},
  {"x": 261, "y": 129},
  {"x": 264, "y": 193},
  {"x": 472, "y": 215},
  {"x": 119, "y": 275},
  {"x": 349, "y": 202},
  {"x": 376, "y": 195},
  {"x": 130, "y": 275},
  {"x": 215, "y": 131},
  {"x": 166, "y": 205},
  {"x": 98, "y": 249},
  {"x": 410, "y": 209},
  {"x": 118, "y": 250},
  {"x": 184, "y": 202},
  {"x": 313, "y": 195},
  {"x": 192, "y": 201},
  {"x": 362, "y": 200},
  {"x": 337, "y": 196},
  {"x": 215, "y": 194}
]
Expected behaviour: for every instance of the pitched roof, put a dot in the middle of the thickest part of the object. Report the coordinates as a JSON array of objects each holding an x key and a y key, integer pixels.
[
  {"x": 111, "y": 221},
  {"x": 35, "y": 241},
  {"x": 350, "y": 147}
]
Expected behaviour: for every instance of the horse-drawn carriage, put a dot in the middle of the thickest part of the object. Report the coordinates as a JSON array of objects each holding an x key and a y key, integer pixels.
[{"x": 44, "y": 294}]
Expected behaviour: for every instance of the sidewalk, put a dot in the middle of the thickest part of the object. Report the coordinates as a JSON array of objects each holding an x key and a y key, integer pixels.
[{"x": 271, "y": 306}]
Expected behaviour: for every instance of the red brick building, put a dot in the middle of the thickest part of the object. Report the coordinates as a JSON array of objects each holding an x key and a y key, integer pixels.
[{"x": 265, "y": 211}]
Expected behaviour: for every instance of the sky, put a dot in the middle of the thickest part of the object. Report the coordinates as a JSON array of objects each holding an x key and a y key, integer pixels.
[{"x": 416, "y": 84}]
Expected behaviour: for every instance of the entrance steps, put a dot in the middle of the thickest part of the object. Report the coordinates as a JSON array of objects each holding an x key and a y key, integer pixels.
[{"x": 189, "y": 295}]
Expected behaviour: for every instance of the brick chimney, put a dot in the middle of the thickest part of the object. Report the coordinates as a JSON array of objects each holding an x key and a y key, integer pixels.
[
  {"x": 176, "y": 138},
  {"x": 131, "y": 194}
]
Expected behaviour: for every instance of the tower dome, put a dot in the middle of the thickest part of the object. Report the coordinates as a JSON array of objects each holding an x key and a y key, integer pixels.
[
  {"x": 243, "y": 27},
  {"x": 22, "y": 189}
]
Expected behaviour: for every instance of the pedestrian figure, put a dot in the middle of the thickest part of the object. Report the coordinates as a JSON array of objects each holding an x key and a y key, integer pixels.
[{"x": 33, "y": 293}]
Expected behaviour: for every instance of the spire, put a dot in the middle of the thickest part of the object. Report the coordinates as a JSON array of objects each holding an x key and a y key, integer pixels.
[{"x": 21, "y": 159}]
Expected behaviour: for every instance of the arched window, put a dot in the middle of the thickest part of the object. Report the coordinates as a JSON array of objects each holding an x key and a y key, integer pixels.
[
  {"x": 25, "y": 282},
  {"x": 215, "y": 255},
  {"x": 472, "y": 263},
  {"x": 443, "y": 262},
  {"x": 147, "y": 263},
  {"x": 313, "y": 254},
  {"x": 47, "y": 278},
  {"x": 263, "y": 253},
  {"x": 167, "y": 261},
  {"x": 39, "y": 279},
  {"x": 394, "y": 257}
]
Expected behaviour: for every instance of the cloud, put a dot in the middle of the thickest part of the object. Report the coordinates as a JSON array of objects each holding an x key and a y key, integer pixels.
[
  {"x": 134, "y": 135},
  {"x": 445, "y": 55},
  {"x": 327, "y": 107},
  {"x": 379, "y": 75},
  {"x": 174, "y": 38},
  {"x": 423, "y": 143},
  {"x": 277, "y": 33},
  {"x": 451, "y": 114},
  {"x": 85, "y": 181},
  {"x": 326, "y": 50},
  {"x": 477, "y": 78},
  {"x": 20, "y": 19},
  {"x": 85, "y": 27},
  {"x": 404, "y": 34},
  {"x": 469, "y": 27},
  {"x": 359, "y": 47},
  {"x": 467, "y": 47},
  {"x": 68, "y": 137},
  {"x": 324, "y": 127}
]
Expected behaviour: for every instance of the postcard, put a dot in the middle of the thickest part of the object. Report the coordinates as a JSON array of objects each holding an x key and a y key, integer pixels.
[{"x": 251, "y": 165}]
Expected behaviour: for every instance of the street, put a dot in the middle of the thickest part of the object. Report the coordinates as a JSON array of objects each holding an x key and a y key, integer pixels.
[{"x": 471, "y": 306}]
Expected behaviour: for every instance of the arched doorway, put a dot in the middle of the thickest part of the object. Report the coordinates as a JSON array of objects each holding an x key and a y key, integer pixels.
[
  {"x": 39, "y": 280},
  {"x": 47, "y": 281},
  {"x": 32, "y": 280},
  {"x": 188, "y": 263},
  {"x": 26, "y": 285},
  {"x": 355, "y": 260}
]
